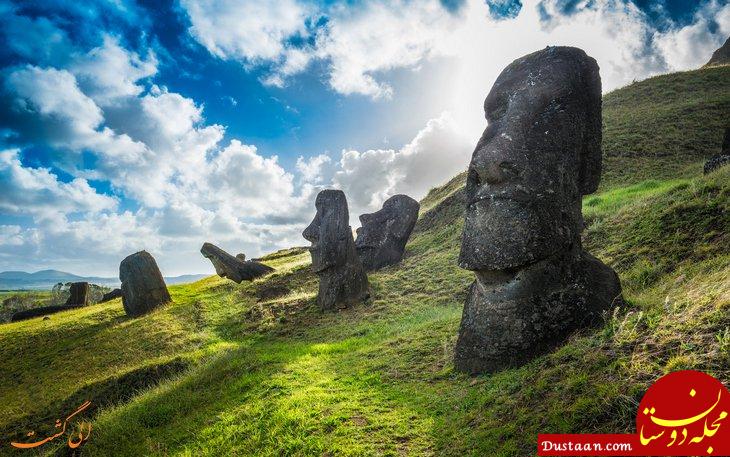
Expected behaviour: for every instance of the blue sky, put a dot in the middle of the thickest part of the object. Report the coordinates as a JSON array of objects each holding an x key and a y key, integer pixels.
[{"x": 158, "y": 125}]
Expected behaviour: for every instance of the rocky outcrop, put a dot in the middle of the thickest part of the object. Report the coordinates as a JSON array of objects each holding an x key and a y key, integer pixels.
[
  {"x": 540, "y": 153},
  {"x": 233, "y": 268},
  {"x": 342, "y": 279},
  {"x": 143, "y": 288},
  {"x": 383, "y": 235},
  {"x": 721, "y": 159}
]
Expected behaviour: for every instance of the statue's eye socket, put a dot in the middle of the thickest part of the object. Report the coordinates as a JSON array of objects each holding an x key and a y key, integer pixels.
[
  {"x": 510, "y": 169},
  {"x": 497, "y": 108}
]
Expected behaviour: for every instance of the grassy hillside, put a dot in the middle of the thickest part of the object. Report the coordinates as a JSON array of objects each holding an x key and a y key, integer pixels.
[
  {"x": 256, "y": 369},
  {"x": 665, "y": 126}
]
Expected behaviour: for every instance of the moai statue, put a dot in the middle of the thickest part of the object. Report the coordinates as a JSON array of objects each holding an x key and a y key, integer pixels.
[
  {"x": 237, "y": 268},
  {"x": 342, "y": 280},
  {"x": 78, "y": 294},
  {"x": 383, "y": 235},
  {"x": 143, "y": 288},
  {"x": 540, "y": 153}
]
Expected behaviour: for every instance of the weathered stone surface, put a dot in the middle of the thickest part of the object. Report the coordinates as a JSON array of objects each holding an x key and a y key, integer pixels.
[
  {"x": 721, "y": 159},
  {"x": 383, "y": 235},
  {"x": 79, "y": 294},
  {"x": 342, "y": 279},
  {"x": 143, "y": 288},
  {"x": 111, "y": 295},
  {"x": 233, "y": 268},
  {"x": 540, "y": 153}
]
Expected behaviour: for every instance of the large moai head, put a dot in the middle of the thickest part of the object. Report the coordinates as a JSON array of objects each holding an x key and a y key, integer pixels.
[
  {"x": 383, "y": 235},
  {"x": 330, "y": 231},
  {"x": 540, "y": 153}
]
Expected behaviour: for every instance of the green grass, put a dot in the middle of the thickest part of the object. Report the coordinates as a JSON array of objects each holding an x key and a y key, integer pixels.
[
  {"x": 378, "y": 379},
  {"x": 256, "y": 369},
  {"x": 664, "y": 127}
]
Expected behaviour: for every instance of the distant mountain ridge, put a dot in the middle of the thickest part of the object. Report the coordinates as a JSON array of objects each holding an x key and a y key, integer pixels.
[{"x": 46, "y": 279}]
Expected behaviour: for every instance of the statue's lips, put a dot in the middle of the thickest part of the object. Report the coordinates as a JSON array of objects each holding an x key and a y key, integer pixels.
[{"x": 515, "y": 195}]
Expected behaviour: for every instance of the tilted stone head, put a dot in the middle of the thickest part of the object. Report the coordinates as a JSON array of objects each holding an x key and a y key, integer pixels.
[
  {"x": 143, "y": 288},
  {"x": 539, "y": 154},
  {"x": 383, "y": 235},
  {"x": 329, "y": 232}
]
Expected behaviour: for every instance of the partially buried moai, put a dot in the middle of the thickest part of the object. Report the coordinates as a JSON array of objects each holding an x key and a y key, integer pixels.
[
  {"x": 383, "y": 235},
  {"x": 143, "y": 288},
  {"x": 342, "y": 280},
  {"x": 540, "y": 153}
]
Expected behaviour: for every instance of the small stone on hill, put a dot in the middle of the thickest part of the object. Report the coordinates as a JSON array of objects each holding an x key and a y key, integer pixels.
[{"x": 721, "y": 159}]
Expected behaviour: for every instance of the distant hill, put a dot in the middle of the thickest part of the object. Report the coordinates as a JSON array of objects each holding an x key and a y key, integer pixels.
[
  {"x": 46, "y": 279},
  {"x": 665, "y": 126},
  {"x": 721, "y": 56}
]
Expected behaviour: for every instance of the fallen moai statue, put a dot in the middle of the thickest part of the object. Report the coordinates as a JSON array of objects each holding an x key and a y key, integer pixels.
[{"x": 233, "y": 268}]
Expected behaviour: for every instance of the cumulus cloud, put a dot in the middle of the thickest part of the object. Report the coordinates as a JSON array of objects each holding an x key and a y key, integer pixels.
[
  {"x": 154, "y": 147},
  {"x": 250, "y": 31},
  {"x": 362, "y": 43},
  {"x": 38, "y": 192},
  {"x": 438, "y": 152},
  {"x": 110, "y": 72},
  {"x": 159, "y": 154},
  {"x": 687, "y": 47},
  {"x": 379, "y": 37}
]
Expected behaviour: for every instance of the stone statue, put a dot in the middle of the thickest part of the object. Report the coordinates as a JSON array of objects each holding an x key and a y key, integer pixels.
[
  {"x": 342, "y": 280},
  {"x": 143, "y": 288},
  {"x": 540, "y": 153},
  {"x": 383, "y": 236},
  {"x": 236, "y": 269},
  {"x": 78, "y": 294}
]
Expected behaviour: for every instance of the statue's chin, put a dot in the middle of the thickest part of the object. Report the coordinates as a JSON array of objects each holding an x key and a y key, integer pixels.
[{"x": 505, "y": 234}]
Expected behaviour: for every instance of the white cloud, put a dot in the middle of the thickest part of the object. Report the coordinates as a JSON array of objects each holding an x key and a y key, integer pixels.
[
  {"x": 363, "y": 43},
  {"x": 38, "y": 192},
  {"x": 155, "y": 147},
  {"x": 380, "y": 36},
  {"x": 246, "y": 30},
  {"x": 313, "y": 169},
  {"x": 691, "y": 46},
  {"x": 437, "y": 153},
  {"x": 52, "y": 92},
  {"x": 110, "y": 72}
]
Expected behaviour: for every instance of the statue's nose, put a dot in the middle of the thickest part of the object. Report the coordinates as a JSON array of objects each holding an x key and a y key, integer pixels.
[
  {"x": 311, "y": 233},
  {"x": 496, "y": 172}
]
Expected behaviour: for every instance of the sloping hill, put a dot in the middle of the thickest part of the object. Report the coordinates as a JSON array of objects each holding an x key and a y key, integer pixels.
[
  {"x": 665, "y": 126},
  {"x": 256, "y": 369}
]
